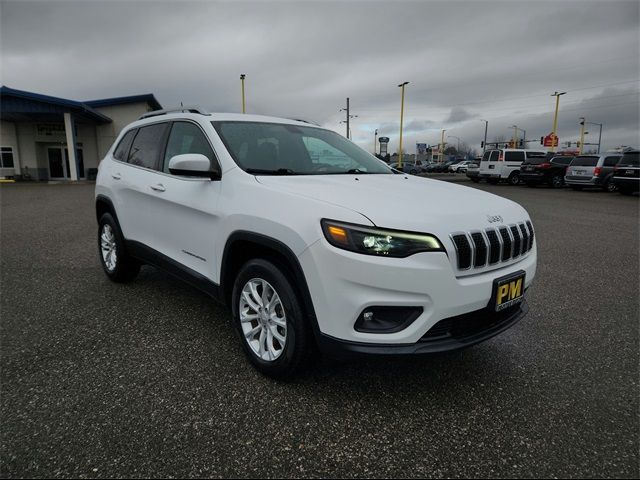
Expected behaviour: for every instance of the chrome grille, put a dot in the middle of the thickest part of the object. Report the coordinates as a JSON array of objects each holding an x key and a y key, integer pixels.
[{"x": 477, "y": 249}]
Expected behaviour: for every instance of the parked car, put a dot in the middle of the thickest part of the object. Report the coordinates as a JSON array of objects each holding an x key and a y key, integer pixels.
[
  {"x": 504, "y": 164},
  {"x": 538, "y": 170},
  {"x": 592, "y": 171},
  {"x": 310, "y": 254},
  {"x": 473, "y": 170},
  {"x": 408, "y": 167},
  {"x": 626, "y": 174},
  {"x": 460, "y": 167}
]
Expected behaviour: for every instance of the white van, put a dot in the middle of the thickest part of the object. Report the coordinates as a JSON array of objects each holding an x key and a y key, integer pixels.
[{"x": 504, "y": 164}]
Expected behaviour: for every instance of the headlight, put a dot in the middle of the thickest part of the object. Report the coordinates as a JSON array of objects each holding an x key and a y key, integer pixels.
[{"x": 378, "y": 241}]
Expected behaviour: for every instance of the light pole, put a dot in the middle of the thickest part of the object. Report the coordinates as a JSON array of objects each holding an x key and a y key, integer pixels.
[
  {"x": 582, "y": 122},
  {"x": 402, "y": 85},
  {"x": 442, "y": 147},
  {"x": 375, "y": 142},
  {"x": 599, "y": 135},
  {"x": 242, "y": 77},
  {"x": 486, "y": 127},
  {"x": 458, "y": 148},
  {"x": 515, "y": 135},
  {"x": 554, "y": 135}
]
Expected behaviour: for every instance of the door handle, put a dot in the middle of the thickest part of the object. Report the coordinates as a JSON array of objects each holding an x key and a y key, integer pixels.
[
  {"x": 116, "y": 176},
  {"x": 158, "y": 188}
]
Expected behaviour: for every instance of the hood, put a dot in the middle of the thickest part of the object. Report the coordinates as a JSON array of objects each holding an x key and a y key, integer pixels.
[{"x": 405, "y": 202}]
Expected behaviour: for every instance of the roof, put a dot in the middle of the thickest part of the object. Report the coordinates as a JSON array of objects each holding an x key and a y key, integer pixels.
[
  {"x": 22, "y": 105},
  {"x": 105, "y": 102}
]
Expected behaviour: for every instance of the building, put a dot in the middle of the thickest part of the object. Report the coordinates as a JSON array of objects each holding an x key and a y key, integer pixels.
[{"x": 36, "y": 130}]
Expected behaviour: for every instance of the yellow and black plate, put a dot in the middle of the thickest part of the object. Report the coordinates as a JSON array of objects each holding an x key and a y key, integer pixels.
[{"x": 508, "y": 291}]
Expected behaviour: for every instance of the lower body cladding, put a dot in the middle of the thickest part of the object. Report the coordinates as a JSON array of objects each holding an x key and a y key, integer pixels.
[{"x": 434, "y": 310}]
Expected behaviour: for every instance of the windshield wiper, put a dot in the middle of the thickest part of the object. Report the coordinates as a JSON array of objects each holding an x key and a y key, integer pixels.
[{"x": 278, "y": 171}]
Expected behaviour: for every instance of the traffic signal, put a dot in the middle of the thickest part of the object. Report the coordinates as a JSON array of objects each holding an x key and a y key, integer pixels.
[
  {"x": 521, "y": 142},
  {"x": 541, "y": 140},
  {"x": 581, "y": 120},
  {"x": 482, "y": 144}
]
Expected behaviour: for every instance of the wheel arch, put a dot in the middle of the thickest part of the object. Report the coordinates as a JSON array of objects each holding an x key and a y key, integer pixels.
[
  {"x": 105, "y": 205},
  {"x": 242, "y": 246}
]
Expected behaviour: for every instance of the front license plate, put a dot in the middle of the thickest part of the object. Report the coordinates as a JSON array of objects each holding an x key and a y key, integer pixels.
[{"x": 508, "y": 291}]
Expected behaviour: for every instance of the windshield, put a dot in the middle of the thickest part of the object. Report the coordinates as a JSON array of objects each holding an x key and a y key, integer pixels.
[
  {"x": 631, "y": 159},
  {"x": 584, "y": 162},
  {"x": 282, "y": 149}
]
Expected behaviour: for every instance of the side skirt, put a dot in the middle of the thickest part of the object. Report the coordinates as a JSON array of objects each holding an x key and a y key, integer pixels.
[{"x": 152, "y": 257}]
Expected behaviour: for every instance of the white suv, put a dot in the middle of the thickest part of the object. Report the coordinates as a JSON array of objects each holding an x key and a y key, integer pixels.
[{"x": 312, "y": 241}]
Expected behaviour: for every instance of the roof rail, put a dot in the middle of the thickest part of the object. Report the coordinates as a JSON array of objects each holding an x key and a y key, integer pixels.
[
  {"x": 304, "y": 121},
  {"x": 188, "y": 109}
]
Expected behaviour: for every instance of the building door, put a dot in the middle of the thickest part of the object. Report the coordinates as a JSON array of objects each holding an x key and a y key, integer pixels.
[{"x": 59, "y": 169}]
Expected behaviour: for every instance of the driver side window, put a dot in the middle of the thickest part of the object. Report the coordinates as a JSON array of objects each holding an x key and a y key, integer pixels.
[{"x": 186, "y": 137}]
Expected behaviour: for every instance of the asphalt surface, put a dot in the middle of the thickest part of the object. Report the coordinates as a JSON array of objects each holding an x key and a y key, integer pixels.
[{"x": 147, "y": 379}]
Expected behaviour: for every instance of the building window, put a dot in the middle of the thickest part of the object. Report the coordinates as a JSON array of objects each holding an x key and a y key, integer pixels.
[{"x": 6, "y": 157}]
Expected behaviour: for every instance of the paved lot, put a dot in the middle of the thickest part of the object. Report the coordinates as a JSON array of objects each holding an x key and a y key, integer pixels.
[{"x": 148, "y": 380}]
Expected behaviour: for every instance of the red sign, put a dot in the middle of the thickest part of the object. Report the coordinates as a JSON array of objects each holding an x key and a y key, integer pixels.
[{"x": 551, "y": 140}]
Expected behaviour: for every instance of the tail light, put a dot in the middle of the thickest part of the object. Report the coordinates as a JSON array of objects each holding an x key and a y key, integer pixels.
[
  {"x": 596, "y": 171},
  {"x": 545, "y": 165}
]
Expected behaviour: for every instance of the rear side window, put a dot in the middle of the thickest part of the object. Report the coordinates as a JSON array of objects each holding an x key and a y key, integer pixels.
[
  {"x": 147, "y": 145},
  {"x": 121, "y": 150},
  {"x": 184, "y": 138},
  {"x": 561, "y": 160},
  {"x": 611, "y": 161},
  {"x": 630, "y": 160},
  {"x": 514, "y": 156},
  {"x": 585, "y": 161}
]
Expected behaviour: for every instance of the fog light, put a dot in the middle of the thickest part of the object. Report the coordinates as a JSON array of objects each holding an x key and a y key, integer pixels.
[{"x": 386, "y": 319}]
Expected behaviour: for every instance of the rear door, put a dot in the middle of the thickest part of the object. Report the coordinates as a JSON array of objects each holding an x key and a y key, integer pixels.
[
  {"x": 582, "y": 167},
  {"x": 512, "y": 161},
  {"x": 489, "y": 162},
  {"x": 608, "y": 164}
]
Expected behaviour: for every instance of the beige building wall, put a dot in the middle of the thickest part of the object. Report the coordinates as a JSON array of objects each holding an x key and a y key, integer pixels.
[{"x": 122, "y": 115}]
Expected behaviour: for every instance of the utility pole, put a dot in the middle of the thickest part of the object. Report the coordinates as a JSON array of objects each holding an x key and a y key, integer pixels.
[
  {"x": 242, "y": 77},
  {"x": 442, "y": 147},
  {"x": 486, "y": 127},
  {"x": 524, "y": 138},
  {"x": 555, "y": 120},
  {"x": 599, "y": 135},
  {"x": 402, "y": 85},
  {"x": 515, "y": 135},
  {"x": 582, "y": 121},
  {"x": 349, "y": 117},
  {"x": 375, "y": 142}
]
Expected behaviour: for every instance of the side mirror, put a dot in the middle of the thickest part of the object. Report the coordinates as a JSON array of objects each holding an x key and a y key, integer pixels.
[{"x": 193, "y": 165}]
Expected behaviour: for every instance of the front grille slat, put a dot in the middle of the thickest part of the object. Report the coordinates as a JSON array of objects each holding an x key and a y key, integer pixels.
[{"x": 478, "y": 249}]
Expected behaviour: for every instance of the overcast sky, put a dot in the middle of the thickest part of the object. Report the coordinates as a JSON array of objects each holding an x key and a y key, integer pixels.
[{"x": 465, "y": 61}]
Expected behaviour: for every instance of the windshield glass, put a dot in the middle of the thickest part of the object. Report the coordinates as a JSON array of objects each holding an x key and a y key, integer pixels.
[
  {"x": 281, "y": 149},
  {"x": 584, "y": 162},
  {"x": 631, "y": 159}
]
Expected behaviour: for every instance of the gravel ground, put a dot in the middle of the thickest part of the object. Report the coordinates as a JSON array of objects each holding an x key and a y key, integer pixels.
[{"x": 147, "y": 379}]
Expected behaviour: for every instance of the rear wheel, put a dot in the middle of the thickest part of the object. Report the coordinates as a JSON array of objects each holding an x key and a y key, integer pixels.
[
  {"x": 270, "y": 320},
  {"x": 117, "y": 264},
  {"x": 514, "y": 178},
  {"x": 557, "y": 181},
  {"x": 610, "y": 187}
]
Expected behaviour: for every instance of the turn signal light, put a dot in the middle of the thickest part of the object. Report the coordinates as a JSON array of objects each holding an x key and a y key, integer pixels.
[{"x": 338, "y": 234}]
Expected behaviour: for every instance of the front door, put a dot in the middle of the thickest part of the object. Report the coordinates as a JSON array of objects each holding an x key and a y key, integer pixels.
[{"x": 59, "y": 163}]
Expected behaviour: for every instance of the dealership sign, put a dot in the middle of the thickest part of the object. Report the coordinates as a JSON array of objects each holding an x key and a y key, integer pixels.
[{"x": 551, "y": 140}]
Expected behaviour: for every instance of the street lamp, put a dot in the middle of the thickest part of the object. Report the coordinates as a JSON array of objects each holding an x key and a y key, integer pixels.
[
  {"x": 555, "y": 120},
  {"x": 486, "y": 127},
  {"x": 242, "y": 77},
  {"x": 375, "y": 142},
  {"x": 402, "y": 85}
]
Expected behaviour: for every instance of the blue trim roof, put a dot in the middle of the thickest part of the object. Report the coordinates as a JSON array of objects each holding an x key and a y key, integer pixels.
[
  {"x": 78, "y": 107},
  {"x": 105, "y": 102}
]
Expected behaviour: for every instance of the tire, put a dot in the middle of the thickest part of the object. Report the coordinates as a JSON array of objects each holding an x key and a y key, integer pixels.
[
  {"x": 577, "y": 188},
  {"x": 556, "y": 181},
  {"x": 610, "y": 187},
  {"x": 116, "y": 263},
  {"x": 287, "y": 320},
  {"x": 514, "y": 179}
]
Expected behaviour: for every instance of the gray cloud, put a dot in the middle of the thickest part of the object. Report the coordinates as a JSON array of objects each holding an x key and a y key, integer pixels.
[{"x": 492, "y": 60}]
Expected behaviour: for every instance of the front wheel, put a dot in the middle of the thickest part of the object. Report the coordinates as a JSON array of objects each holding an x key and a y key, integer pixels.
[
  {"x": 557, "y": 181},
  {"x": 270, "y": 320}
]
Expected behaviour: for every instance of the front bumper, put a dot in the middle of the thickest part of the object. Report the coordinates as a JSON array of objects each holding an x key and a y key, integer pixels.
[
  {"x": 453, "y": 333},
  {"x": 342, "y": 284}
]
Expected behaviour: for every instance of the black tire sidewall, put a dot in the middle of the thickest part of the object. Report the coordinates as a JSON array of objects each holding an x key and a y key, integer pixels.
[
  {"x": 553, "y": 184},
  {"x": 290, "y": 361},
  {"x": 514, "y": 178},
  {"x": 126, "y": 268}
]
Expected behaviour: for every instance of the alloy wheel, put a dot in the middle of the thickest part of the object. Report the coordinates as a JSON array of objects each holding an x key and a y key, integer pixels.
[
  {"x": 108, "y": 247},
  {"x": 263, "y": 319}
]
